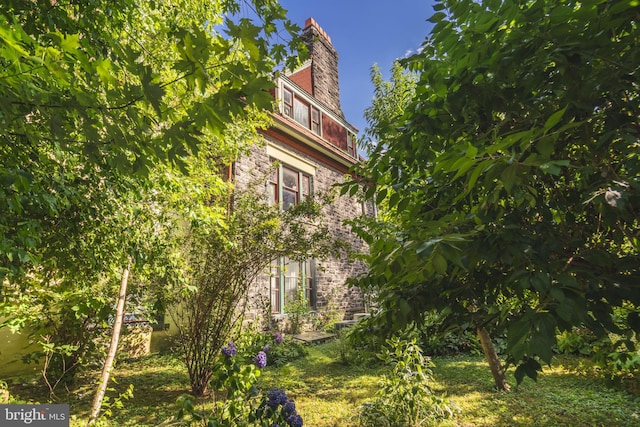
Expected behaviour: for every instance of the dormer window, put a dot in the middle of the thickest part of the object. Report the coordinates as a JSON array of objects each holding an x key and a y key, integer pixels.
[
  {"x": 300, "y": 110},
  {"x": 287, "y": 101},
  {"x": 315, "y": 120},
  {"x": 351, "y": 144}
]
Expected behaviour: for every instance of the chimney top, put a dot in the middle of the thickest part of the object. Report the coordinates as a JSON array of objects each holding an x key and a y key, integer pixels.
[{"x": 310, "y": 22}]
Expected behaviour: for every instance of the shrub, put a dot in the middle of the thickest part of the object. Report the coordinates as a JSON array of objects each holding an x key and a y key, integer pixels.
[
  {"x": 579, "y": 341},
  {"x": 437, "y": 340},
  {"x": 237, "y": 401},
  {"x": 359, "y": 344},
  {"x": 279, "y": 348},
  {"x": 405, "y": 397}
]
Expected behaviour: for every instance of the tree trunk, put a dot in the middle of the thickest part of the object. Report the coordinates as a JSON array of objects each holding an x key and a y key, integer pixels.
[
  {"x": 493, "y": 360},
  {"x": 113, "y": 347}
]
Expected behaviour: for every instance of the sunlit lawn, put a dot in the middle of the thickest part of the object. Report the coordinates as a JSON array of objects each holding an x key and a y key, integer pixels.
[{"x": 329, "y": 393}]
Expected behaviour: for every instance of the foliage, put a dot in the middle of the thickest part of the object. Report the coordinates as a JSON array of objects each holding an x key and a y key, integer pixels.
[
  {"x": 326, "y": 319},
  {"x": 405, "y": 397},
  {"x": 237, "y": 401},
  {"x": 5, "y": 396},
  {"x": 280, "y": 349},
  {"x": 297, "y": 310},
  {"x": 328, "y": 393},
  {"x": 105, "y": 106},
  {"x": 79, "y": 76},
  {"x": 110, "y": 404},
  {"x": 225, "y": 264},
  {"x": 512, "y": 176},
  {"x": 577, "y": 341},
  {"x": 436, "y": 339},
  {"x": 360, "y": 344}
]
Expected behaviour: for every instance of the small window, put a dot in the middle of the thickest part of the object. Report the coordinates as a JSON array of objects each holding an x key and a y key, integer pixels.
[
  {"x": 287, "y": 101},
  {"x": 274, "y": 184},
  {"x": 301, "y": 112},
  {"x": 290, "y": 188},
  {"x": 351, "y": 144},
  {"x": 315, "y": 120}
]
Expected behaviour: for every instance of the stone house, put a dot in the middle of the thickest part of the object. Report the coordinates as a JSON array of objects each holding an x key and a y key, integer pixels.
[{"x": 314, "y": 146}]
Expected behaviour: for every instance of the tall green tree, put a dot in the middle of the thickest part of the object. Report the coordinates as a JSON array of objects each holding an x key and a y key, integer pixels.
[
  {"x": 103, "y": 108},
  {"x": 513, "y": 176},
  {"x": 95, "y": 93}
]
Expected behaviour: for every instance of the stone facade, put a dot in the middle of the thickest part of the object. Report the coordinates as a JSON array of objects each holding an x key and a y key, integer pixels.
[
  {"x": 311, "y": 137},
  {"x": 331, "y": 275}
]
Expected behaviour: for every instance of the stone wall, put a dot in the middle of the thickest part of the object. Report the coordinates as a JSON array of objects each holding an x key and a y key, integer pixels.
[{"x": 331, "y": 274}]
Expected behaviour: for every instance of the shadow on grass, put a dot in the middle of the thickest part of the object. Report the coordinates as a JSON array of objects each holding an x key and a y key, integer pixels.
[
  {"x": 157, "y": 382},
  {"x": 562, "y": 395}
]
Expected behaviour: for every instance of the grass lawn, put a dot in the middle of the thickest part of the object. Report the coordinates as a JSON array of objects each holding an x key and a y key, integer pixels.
[{"x": 328, "y": 393}]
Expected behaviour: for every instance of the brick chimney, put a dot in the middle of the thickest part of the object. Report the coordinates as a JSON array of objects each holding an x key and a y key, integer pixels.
[{"x": 324, "y": 66}]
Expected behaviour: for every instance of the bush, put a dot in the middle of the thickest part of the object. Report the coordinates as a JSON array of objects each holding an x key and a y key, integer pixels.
[
  {"x": 280, "y": 349},
  {"x": 578, "y": 341},
  {"x": 438, "y": 340},
  {"x": 359, "y": 344},
  {"x": 405, "y": 397},
  {"x": 237, "y": 401}
]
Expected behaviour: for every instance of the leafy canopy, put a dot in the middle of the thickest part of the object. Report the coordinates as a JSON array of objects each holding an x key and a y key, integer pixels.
[
  {"x": 513, "y": 174},
  {"x": 95, "y": 93}
]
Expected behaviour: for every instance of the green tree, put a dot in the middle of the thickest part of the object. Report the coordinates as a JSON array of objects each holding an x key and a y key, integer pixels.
[
  {"x": 225, "y": 263},
  {"x": 95, "y": 93},
  {"x": 104, "y": 105},
  {"x": 513, "y": 176}
]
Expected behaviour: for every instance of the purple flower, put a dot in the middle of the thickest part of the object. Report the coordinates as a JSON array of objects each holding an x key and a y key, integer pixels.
[
  {"x": 289, "y": 407},
  {"x": 266, "y": 348},
  {"x": 229, "y": 350},
  {"x": 294, "y": 420},
  {"x": 261, "y": 359},
  {"x": 275, "y": 397},
  {"x": 278, "y": 337}
]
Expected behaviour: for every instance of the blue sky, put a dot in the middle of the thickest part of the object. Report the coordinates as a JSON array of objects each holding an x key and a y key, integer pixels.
[{"x": 365, "y": 33}]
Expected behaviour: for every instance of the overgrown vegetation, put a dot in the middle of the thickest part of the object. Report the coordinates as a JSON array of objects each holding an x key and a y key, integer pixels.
[
  {"x": 328, "y": 392},
  {"x": 405, "y": 396},
  {"x": 225, "y": 263},
  {"x": 506, "y": 168}
]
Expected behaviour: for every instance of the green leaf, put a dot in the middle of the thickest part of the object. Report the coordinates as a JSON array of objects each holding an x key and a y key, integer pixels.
[
  {"x": 509, "y": 177},
  {"x": 554, "y": 167},
  {"x": 439, "y": 263},
  {"x": 516, "y": 336},
  {"x": 554, "y": 119}
]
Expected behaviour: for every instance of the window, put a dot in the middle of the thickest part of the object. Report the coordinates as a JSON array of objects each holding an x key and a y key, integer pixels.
[
  {"x": 287, "y": 101},
  {"x": 288, "y": 187},
  {"x": 301, "y": 111},
  {"x": 315, "y": 120},
  {"x": 351, "y": 144},
  {"x": 290, "y": 278}
]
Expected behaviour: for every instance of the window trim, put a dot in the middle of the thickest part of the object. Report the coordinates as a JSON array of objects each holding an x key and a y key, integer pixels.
[
  {"x": 291, "y": 160},
  {"x": 277, "y": 188},
  {"x": 278, "y": 276}
]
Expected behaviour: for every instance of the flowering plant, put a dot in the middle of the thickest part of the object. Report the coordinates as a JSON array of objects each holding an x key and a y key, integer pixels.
[
  {"x": 237, "y": 401},
  {"x": 278, "y": 409}
]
